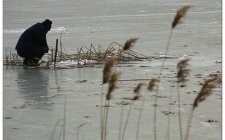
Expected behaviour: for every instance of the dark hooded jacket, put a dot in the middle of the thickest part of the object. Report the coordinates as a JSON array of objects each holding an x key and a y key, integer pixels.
[{"x": 34, "y": 38}]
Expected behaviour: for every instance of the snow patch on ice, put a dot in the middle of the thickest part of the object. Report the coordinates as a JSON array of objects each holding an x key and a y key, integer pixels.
[
  {"x": 71, "y": 63},
  {"x": 16, "y": 31}
]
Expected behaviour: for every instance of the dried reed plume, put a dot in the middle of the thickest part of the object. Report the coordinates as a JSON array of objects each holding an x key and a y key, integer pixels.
[
  {"x": 153, "y": 83},
  {"x": 205, "y": 91},
  {"x": 180, "y": 14},
  {"x": 107, "y": 75},
  {"x": 138, "y": 88},
  {"x": 129, "y": 43},
  {"x": 182, "y": 73},
  {"x": 112, "y": 84},
  {"x": 107, "y": 71},
  {"x": 136, "y": 97},
  {"x": 137, "y": 91}
]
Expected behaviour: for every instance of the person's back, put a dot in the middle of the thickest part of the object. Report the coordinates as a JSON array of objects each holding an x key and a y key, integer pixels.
[{"x": 32, "y": 43}]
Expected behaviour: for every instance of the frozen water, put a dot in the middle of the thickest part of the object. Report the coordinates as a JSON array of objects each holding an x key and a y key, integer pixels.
[{"x": 34, "y": 99}]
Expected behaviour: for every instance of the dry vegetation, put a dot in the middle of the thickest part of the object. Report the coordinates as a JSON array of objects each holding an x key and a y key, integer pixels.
[{"x": 86, "y": 56}]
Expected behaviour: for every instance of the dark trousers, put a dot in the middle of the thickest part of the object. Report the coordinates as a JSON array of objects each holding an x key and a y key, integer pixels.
[{"x": 31, "y": 53}]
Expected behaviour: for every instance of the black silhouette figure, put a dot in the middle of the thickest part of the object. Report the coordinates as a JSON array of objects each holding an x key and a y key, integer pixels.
[{"x": 32, "y": 44}]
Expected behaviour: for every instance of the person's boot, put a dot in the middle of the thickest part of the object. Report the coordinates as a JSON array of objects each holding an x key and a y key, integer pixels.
[
  {"x": 35, "y": 62},
  {"x": 25, "y": 61},
  {"x": 30, "y": 62}
]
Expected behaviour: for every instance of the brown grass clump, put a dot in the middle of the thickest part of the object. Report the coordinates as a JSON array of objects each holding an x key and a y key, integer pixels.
[
  {"x": 180, "y": 14},
  {"x": 154, "y": 82},
  {"x": 129, "y": 43},
  {"x": 107, "y": 71},
  {"x": 205, "y": 91},
  {"x": 182, "y": 71}
]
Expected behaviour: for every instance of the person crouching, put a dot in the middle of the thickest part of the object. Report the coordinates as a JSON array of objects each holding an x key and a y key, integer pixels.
[{"x": 32, "y": 44}]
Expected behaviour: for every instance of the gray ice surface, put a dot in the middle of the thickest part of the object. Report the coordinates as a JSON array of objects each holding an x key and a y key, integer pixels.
[{"x": 34, "y": 100}]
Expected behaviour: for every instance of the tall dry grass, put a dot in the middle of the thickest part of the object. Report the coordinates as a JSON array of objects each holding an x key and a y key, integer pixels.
[
  {"x": 182, "y": 74},
  {"x": 167, "y": 136},
  {"x": 152, "y": 84},
  {"x": 111, "y": 87},
  {"x": 177, "y": 19},
  {"x": 110, "y": 76},
  {"x": 206, "y": 91},
  {"x": 136, "y": 96}
]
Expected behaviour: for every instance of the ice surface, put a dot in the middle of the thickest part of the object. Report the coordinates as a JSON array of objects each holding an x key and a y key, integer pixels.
[{"x": 34, "y": 100}]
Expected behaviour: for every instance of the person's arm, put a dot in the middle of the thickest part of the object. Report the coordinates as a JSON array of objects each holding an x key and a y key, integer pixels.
[{"x": 40, "y": 36}]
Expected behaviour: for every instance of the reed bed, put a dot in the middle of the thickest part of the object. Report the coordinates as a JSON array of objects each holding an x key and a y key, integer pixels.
[{"x": 84, "y": 55}]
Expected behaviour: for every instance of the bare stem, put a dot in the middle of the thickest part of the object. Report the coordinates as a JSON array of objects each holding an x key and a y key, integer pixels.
[
  {"x": 189, "y": 124},
  {"x": 105, "y": 121},
  {"x": 157, "y": 88},
  {"x": 179, "y": 111},
  {"x": 127, "y": 119},
  {"x": 120, "y": 126},
  {"x": 166, "y": 52},
  {"x": 155, "y": 113},
  {"x": 168, "y": 121},
  {"x": 101, "y": 113},
  {"x": 64, "y": 119},
  {"x": 139, "y": 118}
]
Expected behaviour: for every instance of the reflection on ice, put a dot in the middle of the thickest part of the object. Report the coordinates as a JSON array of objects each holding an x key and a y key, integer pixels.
[{"x": 32, "y": 83}]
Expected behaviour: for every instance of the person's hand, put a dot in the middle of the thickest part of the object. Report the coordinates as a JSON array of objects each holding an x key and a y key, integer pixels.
[
  {"x": 50, "y": 49},
  {"x": 45, "y": 50}
]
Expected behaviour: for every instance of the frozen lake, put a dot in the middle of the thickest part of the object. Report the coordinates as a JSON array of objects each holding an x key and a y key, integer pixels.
[{"x": 35, "y": 100}]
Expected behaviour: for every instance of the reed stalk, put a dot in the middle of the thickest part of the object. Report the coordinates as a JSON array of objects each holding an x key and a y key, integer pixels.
[
  {"x": 112, "y": 86},
  {"x": 110, "y": 77},
  {"x": 139, "y": 117},
  {"x": 136, "y": 97},
  {"x": 101, "y": 113},
  {"x": 189, "y": 124},
  {"x": 105, "y": 121},
  {"x": 78, "y": 129},
  {"x": 120, "y": 126},
  {"x": 180, "y": 14},
  {"x": 168, "y": 121},
  {"x": 127, "y": 119},
  {"x": 182, "y": 74},
  {"x": 64, "y": 119},
  {"x": 179, "y": 112},
  {"x": 206, "y": 91},
  {"x": 54, "y": 130}
]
